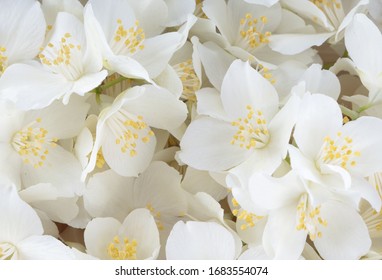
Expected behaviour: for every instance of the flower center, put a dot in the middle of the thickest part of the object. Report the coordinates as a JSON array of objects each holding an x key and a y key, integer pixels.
[
  {"x": 332, "y": 9},
  {"x": 249, "y": 219},
  {"x": 309, "y": 219},
  {"x": 252, "y": 130},
  {"x": 63, "y": 57},
  {"x": 127, "y": 41},
  {"x": 251, "y": 34},
  {"x": 156, "y": 216},
  {"x": 100, "y": 161},
  {"x": 190, "y": 80},
  {"x": 338, "y": 151},
  {"x": 32, "y": 144},
  {"x": 127, "y": 250},
  {"x": 129, "y": 131},
  {"x": 3, "y": 59},
  {"x": 7, "y": 251}
]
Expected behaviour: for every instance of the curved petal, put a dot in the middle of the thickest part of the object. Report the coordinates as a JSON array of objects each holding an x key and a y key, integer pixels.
[
  {"x": 23, "y": 29},
  {"x": 345, "y": 236},
  {"x": 210, "y": 104},
  {"x": 106, "y": 195},
  {"x": 152, "y": 15},
  {"x": 319, "y": 116},
  {"x": 281, "y": 239},
  {"x": 32, "y": 87},
  {"x": 43, "y": 248},
  {"x": 367, "y": 57},
  {"x": 366, "y": 135},
  {"x": 178, "y": 10},
  {"x": 206, "y": 145},
  {"x": 290, "y": 44},
  {"x": 98, "y": 234},
  {"x": 200, "y": 241},
  {"x": 158, "y": 51},
  {"x": 127, "y": 67},
  {"x": 243, "y": 86},
  {"x": 303, "y": 166},
  {"x": 321, "y": 81},
  {"x": 215, "y": 60},
  {"x": 18, "y": 220},
  {"x": 273, "y": 193},
  {"x": 158, "y": 107},
  {"x": 140, "y": 225}
]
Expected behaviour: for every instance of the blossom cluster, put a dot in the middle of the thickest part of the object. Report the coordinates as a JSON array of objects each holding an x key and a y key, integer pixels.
[{"x": 190, "y": 129}]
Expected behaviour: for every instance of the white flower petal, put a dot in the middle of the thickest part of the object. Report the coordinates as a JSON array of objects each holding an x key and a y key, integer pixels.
[
  {"x": 152, "y": 15},
  {"x": 346, "y": 235},
  {"x": 158, "y": 51},
  {"x": 31, "y": 87},
  {"x": 366, "y": 138},
  {"x": 140, "y": 225},
  {"x": 367, "y": 191},
  {"x": 200, "y": 241},
  {"x": 43, "y": 248},
  {"x": 18, "y": 220},
  {"x": 60, "y": 168},
  {"x": 215, "y": 60},
  {"x": 210, "y": 104},
  {"x": 178, "y": 10},
  {"x": 98, "y": 234},
  {"x": 272, "y": 193},
  {"x": 243, "y": 86},
  {"x": 206, "y": 145},
  {"x": 23, "y": 29},
  {"x": 88, "y": 82},
  {"x": 107, "y": 195},
  {"x": 158, "y": 107},
  {"x": 281, "y": 239},
  {"x": 319, "y": 116},
  {"x": 290, "y": 44},
  {"x": 127, "y": 67},
  {"x": 195, "y": 181},
  {"x": 367, "y": 57},
  {"x": 321, "y": 81},
  {"x": 305, "y": 167}
]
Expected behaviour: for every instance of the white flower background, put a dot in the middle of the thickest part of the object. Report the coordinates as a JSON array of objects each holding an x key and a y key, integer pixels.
[{"x": 190, "y": 129}]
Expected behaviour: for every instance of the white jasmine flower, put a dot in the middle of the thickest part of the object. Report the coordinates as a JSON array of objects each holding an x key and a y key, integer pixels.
[
  {"x": 21, "y": 231},
  {"x": 30, "y": 147},
  {"x": 128, "y": 36},
  {"x": 137, "y": 238},
  {"x": 68, "y": 66},
  {"x": 243, "y": 125},
  {"x": 124, "y": 128},
  {"x": 297, "y": 209},
  {"x": 333, "y": 155},
  {"x": 247, "y": 29}
]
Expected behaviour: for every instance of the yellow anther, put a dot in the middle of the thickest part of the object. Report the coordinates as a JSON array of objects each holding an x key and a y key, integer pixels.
[{"x": 125, "y": 250}]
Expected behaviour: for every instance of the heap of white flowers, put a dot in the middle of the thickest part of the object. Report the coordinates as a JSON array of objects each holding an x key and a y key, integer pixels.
[{"x": 190, "y": 129}]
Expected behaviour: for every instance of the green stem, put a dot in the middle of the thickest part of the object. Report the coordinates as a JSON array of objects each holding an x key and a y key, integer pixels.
[
  {"x": 365, "y": 107},
  {"x": 111, "y": 83},
  {"x": 350, "y": 113}
]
